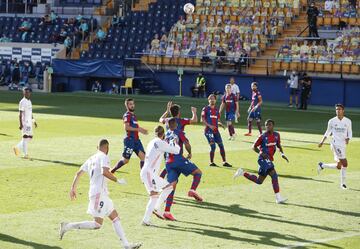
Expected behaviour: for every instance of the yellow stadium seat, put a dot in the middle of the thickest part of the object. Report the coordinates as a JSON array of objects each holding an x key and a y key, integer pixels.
[
  {"x": 327, "y": 68},
  {"x": 294, "y": 66},
  {"x": 197, "y": 62},
  {"x": 276, "y": 66},
  {"x": 319, "y": 67},
  {"x": 151, "y": 60},
  {"x": 128, "y": 85},
  {"x": 335, "y": 21},
  {"x": 310, "y": 66},
  {"x": 166, "y": 61},
  {"x": 336, "y": 68},
  {"x": 175, "y": 61},
  {"x": 353, "y": 21},
  {"x": 346, "y": 68},
  {"x": 144, "y": 59},
  {"x": 189, "y": 61},
  {"x": 182, "y": 61},
  {"x": 285, "y": 65},
  {"x": 158, "y": 60},
  {"x": 327, "y": 21},
  {"x": 320, "y": 21},
  {"x": 355, "y": 69}
]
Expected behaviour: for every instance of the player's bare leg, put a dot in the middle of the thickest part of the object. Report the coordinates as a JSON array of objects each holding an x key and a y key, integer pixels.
[
  {"x": 114, "y": 217},
  {"x": 231, "y": 130},
  {"x": 65, "y": 227},
  {"x": 141, "y": 156},
  {"x": 119, "y": 164},
  {"x": 223, "y": 156},
  {"x": 196, "y": 181},
  {"x": 258, "y": 123}
]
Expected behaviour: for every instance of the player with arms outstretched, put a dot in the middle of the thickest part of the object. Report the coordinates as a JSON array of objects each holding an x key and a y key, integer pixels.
[
  {"x": 255, "y": 108},
  {"x": 26, "y": 120},
  {"x": 177, "y": 164},
  {"x": 340, "y": 129},
  {"x": 210, "y": 117},
  {"x": 100, "y": 205},
  {"x": 230, "y": 103},
  {"x": 149, "y": 174},
  {"x": 265, "y": 146},
  {"x": 132, "y": 142},
  {"x": 173, "y": 110}
]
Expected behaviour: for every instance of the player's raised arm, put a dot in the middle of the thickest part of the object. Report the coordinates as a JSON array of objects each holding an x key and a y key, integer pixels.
[
  {"x": 327, "y": 133},
  {"x": 194, "y": 118},
  {"x": 166, "y": 113}
]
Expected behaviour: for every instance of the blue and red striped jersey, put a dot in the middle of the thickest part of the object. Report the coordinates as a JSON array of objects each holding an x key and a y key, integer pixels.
[
  {"x": 170, "y": 137},
  {"x": 130, "y": 118},
  {"x": 230, "y": 102},
  {"x": 255, "y": 99},
  {"x": 212, "y": 116},
  {"x": 267, "y": 143},
  {"x": 181, "y": 122}
]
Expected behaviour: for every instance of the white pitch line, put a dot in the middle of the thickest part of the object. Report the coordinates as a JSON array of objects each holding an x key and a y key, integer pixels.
[{"x": 318, "y": 241}]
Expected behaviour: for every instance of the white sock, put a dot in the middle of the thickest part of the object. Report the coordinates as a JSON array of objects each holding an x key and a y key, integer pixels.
[
  {"x": 120, "y": 231},
  {"x": 82, "y": 225},
  {"x": 25, "y": 145},
  {"x": 343, "y": 175},
  {"x": 150, "y": 208},
  {"x": 330, "y": 165},
  {"x": 164, "y": 194},
  {"x": 20, "y": 145},
  {"x": 278, "y": 196}
]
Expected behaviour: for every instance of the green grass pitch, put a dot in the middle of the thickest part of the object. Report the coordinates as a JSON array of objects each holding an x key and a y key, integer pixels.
[{"x": 235, "y": 214}]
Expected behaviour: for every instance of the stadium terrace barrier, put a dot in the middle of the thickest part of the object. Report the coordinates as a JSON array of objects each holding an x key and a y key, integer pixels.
[{"x": 31, "y": 51}]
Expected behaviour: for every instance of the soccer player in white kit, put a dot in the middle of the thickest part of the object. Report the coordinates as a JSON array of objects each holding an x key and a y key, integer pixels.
[
  {"x": 26, "y": 120},
  {"x": 149, "y": 174},
  {"x": 340, "y": 129},
  {"x": 100, "y": 205}
]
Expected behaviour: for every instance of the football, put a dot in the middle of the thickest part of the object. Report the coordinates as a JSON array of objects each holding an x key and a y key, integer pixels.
[{"x": 189, "y": 8}]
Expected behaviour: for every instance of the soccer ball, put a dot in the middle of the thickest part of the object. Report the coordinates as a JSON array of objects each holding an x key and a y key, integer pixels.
[{"x": 189, "y": 8}]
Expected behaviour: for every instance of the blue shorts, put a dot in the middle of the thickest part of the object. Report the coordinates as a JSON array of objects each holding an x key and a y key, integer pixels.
[
  {"x": 181, "y": 166},
  {"x": 131, "y": 145},
  {"x": 255, "y": 115},
  {"x": 213, "y": 137},
  {"x": 230, "y": 116},
  {"x": 265, "y": 166}
]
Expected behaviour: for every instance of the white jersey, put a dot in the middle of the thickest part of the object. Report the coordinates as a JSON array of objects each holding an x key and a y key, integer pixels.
[
  {"x": 94, "y": 167},
  {"x": 340, "y": 130},
  {"x": 235, "y": 89},
  {"x": 155, "y": 153},
  {"x": 25, "y": 106}
]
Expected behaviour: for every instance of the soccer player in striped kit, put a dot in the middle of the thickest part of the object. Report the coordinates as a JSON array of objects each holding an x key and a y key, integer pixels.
[
  {"x": 210, "y": 116},
  {"x": 255, "y": 108},
  {"x": 340, "y": 129},
  {"x": 231, "y": 105},
  {"x": 265, "y": 146},
  {"x": 132, "y": 142}
]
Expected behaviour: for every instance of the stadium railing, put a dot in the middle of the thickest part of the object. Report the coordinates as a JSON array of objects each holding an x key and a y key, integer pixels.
[{"x": 337, "y": 68}]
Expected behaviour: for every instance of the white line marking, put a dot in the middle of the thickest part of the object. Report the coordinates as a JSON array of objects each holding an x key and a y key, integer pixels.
[{"x": 318, "y": 241}]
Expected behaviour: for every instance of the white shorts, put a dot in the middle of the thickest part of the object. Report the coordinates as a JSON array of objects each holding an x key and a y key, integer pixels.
[
  {"x": 153, "y": 182},
  {"x": 100, "y": 206},
  {"x": 339, "y": 152},
  {"x": 27, "y": 130}
]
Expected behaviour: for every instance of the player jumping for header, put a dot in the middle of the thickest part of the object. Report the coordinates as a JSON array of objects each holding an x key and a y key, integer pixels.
[
  {"x": 174, "y": 111},
  {"x": 132, "y": 142},
  {"x": 177, "y": 164},
  {"x": 149, "y": 174},
  {"x": 26, "y": 120},
  {"x": 255, "y": 108},
  {"x": 210, "y": 116},
  {"x": 265, "y": 146},
  {"x": 340, "y": 129},
  {"x": 231, "y": 105},
  {"x": 100, "y": 205}
]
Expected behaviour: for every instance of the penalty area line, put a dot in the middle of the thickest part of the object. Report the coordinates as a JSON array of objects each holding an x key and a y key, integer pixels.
[{"x": 319, "y": 241}]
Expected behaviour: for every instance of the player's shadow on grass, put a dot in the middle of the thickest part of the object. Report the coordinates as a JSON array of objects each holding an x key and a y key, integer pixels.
[
  {"x": 5, "y": 135},
  {"x": 56, "y": 162},
  {"x": 264, "y": 237},
  {"x": 14, "y": 240},
  {"x": 237, "y": 210},
  {"x": 335, "y": 211},
  {"x": 293, "y": 177}
]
